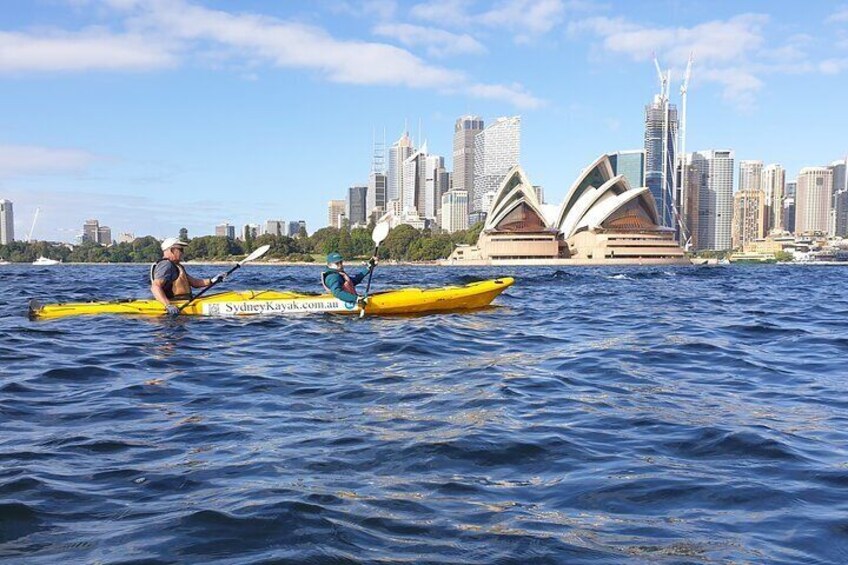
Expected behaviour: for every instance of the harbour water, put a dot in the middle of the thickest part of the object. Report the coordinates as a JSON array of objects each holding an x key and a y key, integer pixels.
[{"x": 603, "y": 415}]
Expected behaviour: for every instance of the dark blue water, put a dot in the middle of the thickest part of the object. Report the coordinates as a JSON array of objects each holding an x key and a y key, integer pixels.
[{"x": 676, "y": 415}]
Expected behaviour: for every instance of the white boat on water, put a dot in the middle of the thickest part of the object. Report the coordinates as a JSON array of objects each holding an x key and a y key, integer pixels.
[
  {"x": 44, "y": 261},
  {"x": 2, "y": 262}
]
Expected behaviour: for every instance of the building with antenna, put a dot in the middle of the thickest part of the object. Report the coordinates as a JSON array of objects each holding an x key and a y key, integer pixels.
[
  {"x": 660, "y": 134},
  {"x": 7, "y": 222},
  {"x": 399, "y": 152}
]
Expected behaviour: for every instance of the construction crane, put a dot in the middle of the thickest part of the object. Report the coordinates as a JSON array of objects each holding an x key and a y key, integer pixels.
[
  {"x": 32, "y": 228},
  {"x": 684, "y": 194}
]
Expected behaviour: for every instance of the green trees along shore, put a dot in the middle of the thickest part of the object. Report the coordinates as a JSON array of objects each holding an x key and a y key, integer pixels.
[{"x": 404, "y": 243}]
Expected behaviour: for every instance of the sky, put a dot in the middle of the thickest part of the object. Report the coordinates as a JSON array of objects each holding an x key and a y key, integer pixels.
[{"x": 152, "y": 115}]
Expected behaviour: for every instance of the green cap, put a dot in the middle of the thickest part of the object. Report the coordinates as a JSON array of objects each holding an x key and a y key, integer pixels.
[{"x": 334, "y": 257}]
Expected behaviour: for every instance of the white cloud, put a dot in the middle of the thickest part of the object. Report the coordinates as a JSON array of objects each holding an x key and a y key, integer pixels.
[
  {"x": 833, "y": 66},
  {"x": 92, "y": 49},
  {"x": 840, "y": 15},
  {"x": 526, "y": 19},
  {"x": 439, "y": 43},
  {"x": 516, "y": 94},
  {"x": 725, "y": 50},
  {"x": 28, "y": 160}
]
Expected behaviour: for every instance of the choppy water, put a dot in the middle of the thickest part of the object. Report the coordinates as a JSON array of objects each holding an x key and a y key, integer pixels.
[{"x": 679, "y": 415}]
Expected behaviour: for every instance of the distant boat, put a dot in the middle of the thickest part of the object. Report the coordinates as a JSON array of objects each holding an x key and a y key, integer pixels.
[
  {"x": 44, "y": 261},
  {"x": 2, "y": 262}
]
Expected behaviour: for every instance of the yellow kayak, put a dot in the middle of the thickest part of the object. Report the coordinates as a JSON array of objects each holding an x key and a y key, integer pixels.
[{"x": 274, "y": 302}]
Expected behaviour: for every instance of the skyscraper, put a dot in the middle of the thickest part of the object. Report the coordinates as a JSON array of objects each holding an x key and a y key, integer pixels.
[
  {"x": 631, "y": 164},
  {"x": 455, "y": 210},
  {"x": 278, "y": 227},
  {"x": 400, "y": 151},
  {"x": 750, "y": 175},
  {"x": 464, "y": 131},
  {"x": 773, "y": 183},
  {"x": 104, "y": 235},
  {"x": 90, "y": 230},
  {"x": 789, "y": 205},
  {"x": 7, "y": 222},
  {"x": 813, "y": 201},
  {"x": 434, "y": 185},
  {"x": 840, "y": 197},
  {"x": 376, "y": 195},
  {"x": 715, "y": 198},
  {"x": 660, "y": 168},
  {"x": 335, "y": 209},
  {"x": 295, "y": 227},
  {"x": 356, "y": 202},
  {"x": 414, "y": 180},
  {"x": 225, "y": 230},
  {"x": 748, "y": 217},
  {"x": 496, "y": 150}
]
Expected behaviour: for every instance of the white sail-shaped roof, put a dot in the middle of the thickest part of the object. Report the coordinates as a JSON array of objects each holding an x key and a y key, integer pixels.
[
  {"x": 599, "y": 214},
  {"x": 514, "y": 191}
]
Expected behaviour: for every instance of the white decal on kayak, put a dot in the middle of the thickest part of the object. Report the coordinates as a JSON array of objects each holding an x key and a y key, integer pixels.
[{"x": 273, "y": 307}]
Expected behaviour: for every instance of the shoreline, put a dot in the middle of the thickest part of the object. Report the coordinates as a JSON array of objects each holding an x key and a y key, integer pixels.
[{"x": 469, "y": 264}]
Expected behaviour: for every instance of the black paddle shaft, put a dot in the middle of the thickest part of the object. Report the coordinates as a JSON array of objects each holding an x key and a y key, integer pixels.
[
  {"x": 202, "y": 292},
  {"x": 371, "y": 272}
]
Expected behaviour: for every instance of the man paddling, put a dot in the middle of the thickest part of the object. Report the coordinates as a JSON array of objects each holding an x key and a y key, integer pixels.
[
  {"x": 169, "y": 280},
  {"x": 339, "y": 283}
]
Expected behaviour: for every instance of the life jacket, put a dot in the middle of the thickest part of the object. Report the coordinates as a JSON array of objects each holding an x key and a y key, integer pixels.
[
  {"x": 347, "y": 285},
  {"x": 179, "y": 288}
]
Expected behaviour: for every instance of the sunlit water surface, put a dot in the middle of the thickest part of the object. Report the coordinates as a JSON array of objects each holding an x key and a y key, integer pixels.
[{"x": 680, "y": 415}]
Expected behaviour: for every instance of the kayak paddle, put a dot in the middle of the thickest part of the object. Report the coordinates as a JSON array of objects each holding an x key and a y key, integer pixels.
[
  {"x": 257, "y": 253},
  {"x": 381, "y": 231}
]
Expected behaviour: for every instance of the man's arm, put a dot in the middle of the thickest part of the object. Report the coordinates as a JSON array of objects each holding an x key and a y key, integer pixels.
[
  {"x": 198, "y": 283},
  {"x": 156, "y": 288}
]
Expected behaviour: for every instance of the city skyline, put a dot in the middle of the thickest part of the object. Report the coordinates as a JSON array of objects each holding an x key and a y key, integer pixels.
[{"x": 141, "y": 126}]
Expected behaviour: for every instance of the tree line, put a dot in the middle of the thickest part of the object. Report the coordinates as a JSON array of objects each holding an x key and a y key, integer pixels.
[{"x": 404, "y": 243}]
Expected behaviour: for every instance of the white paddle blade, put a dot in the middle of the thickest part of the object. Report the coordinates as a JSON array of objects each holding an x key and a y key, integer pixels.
[
  {"x": 257, "y": 253},
  {"x": 380, "y": 232}
]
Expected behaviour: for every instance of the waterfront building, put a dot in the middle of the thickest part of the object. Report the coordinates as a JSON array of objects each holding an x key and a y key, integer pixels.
[
  {"x": 295, "y": 227},
  {"x": 455, "y": 210},
  {"x": 464, "y": 131},
  {"x": 90, "y": 231},
  {"x": 715, "y": 198},
  {"x": 813, "y": 200},
  {"x": 278, "y": 227},
  {"x": 356, "y": 210},
  {"x": 335, "y": 208},
  {"x": 789, "y": 213},
  {"x": 602, "y": 219},
  {"x": 748, "y": 217},
  {"x": 690, "y": 202},
  {"x": 773, "y": 185},
  {"x": 631, "y": 164},
  {"x": 375, "y": 198},
  {"x": 840, "y": 198},
  {"x": 497, "y": 149},
  {"x": 436, "y": 183},
  {"x": 750, "y": 175},
  {"x": 7, "y": 222},
  {"x": 399, "y": 152},
  {"x": 225, "y": 230},
  {"x": 250, "y": 231},
  {"x": 660, "y": 133},
  {"x": 104, "y": 235},
  {"x": 414, "y": 188}
]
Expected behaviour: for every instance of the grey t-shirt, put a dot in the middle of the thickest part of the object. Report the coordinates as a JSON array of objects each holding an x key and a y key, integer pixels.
[{"x": 166, "y": 271}]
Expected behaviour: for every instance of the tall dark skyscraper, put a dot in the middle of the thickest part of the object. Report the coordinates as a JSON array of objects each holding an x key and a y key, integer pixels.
[
  {"x": 660, "y": 133},
  {"x": 356, "y": 202}
]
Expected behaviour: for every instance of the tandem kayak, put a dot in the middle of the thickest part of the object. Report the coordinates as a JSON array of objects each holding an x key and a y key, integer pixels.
[{"x": 274, "y": 302}]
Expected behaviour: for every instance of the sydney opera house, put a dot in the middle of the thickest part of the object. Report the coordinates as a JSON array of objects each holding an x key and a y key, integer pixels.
[{"x": 603, "y": 220}]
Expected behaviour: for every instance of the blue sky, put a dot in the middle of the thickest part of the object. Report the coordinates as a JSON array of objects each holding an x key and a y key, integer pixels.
[{"x": 153, "y": 115}]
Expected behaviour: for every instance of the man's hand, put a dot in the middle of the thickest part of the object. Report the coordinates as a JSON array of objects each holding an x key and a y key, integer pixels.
[
  {"x": 362, "y": 302},
  {"x": 372, "y": 262},
  {"x": 220, "y": 277},
  {"x": 172, "y": 310}
]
